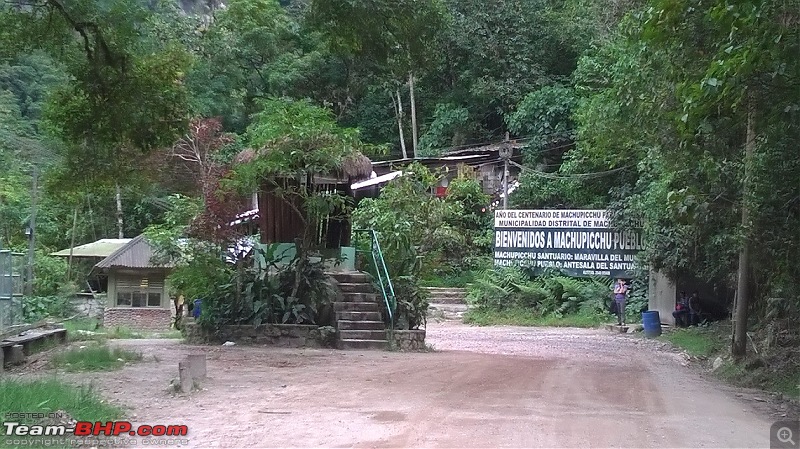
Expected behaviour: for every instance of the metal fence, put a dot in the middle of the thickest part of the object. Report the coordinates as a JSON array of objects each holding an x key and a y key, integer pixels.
[{"x": 11, "y": 288}]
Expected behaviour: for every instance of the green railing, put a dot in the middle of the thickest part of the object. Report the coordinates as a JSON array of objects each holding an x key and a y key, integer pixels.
[{"x": 381, "y": 273}]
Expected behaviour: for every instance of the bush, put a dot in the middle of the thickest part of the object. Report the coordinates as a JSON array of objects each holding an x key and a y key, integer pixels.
[
  {"x": 35, "y": 308},
  {"x": 49, "y": 274},
  {"x": 412, "y": 303},
  {"x": 260, "y": 292},
  {"x": 552, "y": 295}
]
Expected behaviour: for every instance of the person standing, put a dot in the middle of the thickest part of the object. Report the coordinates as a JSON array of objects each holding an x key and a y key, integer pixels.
[{"x": 620, "y": 295}]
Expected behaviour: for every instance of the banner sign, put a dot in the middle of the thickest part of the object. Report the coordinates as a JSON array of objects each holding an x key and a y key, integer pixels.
[{"x": 578, "y": 242}]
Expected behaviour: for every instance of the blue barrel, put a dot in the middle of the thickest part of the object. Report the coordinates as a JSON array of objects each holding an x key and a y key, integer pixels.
[
  {"x": 651, "y": 322},
  {"x": 196, "y": 308}
]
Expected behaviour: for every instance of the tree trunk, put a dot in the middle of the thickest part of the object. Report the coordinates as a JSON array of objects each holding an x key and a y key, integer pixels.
[
  {"x": 739, "y": 344},
  {"x": 32, "y": 237},
  {"x": 72, "y": 244},
  {"x": 413, "y": 112},
  {"x": 398, "y": 108},
  {"x": 120, "y": 231}
]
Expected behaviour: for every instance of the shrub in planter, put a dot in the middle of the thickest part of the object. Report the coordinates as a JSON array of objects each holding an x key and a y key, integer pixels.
[{"x": 412, "y": 303}]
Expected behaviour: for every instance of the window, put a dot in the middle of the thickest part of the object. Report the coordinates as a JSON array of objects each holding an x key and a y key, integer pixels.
[
  {"x": 123, "y": 298},
  {"x": 138, "y": 291},
  {"x": 154, "y": 299}
]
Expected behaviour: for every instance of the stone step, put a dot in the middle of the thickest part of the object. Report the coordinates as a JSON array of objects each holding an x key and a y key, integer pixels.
[
  {"x": 358, "y": 316},
  {"x": 356, "y": 287},
  {"x": 356, "y": 307},
  {"x": 351, "y": 277},
  {"x": 363, "y": 344},
  {"x": 447, "y": 299},
  {"x": 344, "y": 325},
  {"x": 447, "y": 312},
  {"x": 445, "y": 289},
  {"x": 360, "y": 297},
  {"x": 354, "y": 334}
]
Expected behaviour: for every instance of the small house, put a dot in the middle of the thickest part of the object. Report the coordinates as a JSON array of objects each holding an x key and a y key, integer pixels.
[
  {"x": 138, "y": 296},
  {"x": 281, "y": 221}
]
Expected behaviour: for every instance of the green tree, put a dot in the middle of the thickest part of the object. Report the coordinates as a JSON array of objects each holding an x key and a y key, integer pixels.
[{"x": 297, "y": 140}]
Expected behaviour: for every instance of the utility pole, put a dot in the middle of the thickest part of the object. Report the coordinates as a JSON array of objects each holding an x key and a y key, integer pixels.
[
  {"x": 505, "y": 154},
  {"x": 31, "y": 231}
]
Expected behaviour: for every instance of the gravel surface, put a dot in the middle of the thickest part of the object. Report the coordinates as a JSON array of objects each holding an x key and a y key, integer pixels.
[{"x": 498, "y": 386}]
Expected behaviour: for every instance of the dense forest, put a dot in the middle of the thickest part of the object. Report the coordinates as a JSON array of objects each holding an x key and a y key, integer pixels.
[{"x": 683, "y": 113}]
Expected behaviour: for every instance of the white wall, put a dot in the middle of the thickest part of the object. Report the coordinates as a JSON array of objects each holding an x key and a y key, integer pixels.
[{"x": 661, "y": 296}]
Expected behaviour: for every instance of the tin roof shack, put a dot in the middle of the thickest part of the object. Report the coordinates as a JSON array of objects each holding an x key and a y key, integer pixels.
[
  {"x": 138, "y": 296},
  {"x": 484, "y": 161},
  {"x": 90, "y": 301},
  {"x": 282, "y": 216}
]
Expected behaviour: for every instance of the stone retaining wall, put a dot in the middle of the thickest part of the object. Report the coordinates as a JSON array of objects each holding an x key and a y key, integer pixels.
[
  {"x": 283, "y": 335},
  {"x": 411, "y": 340}
]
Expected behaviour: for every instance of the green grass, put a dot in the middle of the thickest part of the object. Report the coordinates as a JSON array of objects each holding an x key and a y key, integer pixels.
[
  {"x": 786, "y": 383},
  {"x": 698, "y": 341},
  {"x": 51, "y": 395},
  {"x": 455, "y": 281},
  {"x": 527, "y": 317},
  {"x": 779, "y": 381},
  {"x": 74, "y": 328},
  {"x": 98, "y": 358}
]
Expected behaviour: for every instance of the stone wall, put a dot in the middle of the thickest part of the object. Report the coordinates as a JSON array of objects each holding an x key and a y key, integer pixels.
[
  {"x": 88, "y": 306},
  {"x": 137, "y": 318},
  {"x": 412, "y": 340},
  {"x": 283, "y": 335}
]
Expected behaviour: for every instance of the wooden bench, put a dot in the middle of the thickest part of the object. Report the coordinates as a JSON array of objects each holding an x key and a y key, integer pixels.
[{"x": 30, "y": 339}]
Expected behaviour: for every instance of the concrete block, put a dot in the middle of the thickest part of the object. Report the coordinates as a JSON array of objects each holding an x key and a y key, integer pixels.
[
  {"x": 16, "y": 355},
  {"x": 185, "y": 377},
  {"x": 197, "y": 365}
]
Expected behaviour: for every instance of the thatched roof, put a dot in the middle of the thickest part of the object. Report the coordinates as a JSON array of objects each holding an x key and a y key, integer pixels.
[{"x": 355, "y": 167}]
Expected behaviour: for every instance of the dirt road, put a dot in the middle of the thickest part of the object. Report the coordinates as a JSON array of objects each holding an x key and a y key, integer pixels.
[{"x": 482, "y": 387}]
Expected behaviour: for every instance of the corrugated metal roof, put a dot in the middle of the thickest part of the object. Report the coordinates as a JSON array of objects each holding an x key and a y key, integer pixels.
[
  {"x": 100, "y": 248},
  {"x": 135, "y": 254},
  {"x": 376, "y": 180}
]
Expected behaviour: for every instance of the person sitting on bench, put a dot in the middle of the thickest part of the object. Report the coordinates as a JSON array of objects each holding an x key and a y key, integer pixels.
[{"x": 681, "y": 313}]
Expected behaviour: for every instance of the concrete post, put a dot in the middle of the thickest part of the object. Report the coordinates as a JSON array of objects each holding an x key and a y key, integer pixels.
[{"x": 197, "y": 365}]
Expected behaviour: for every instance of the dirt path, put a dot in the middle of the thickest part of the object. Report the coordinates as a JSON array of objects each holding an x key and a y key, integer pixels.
[{"x": 483, "y": 387}]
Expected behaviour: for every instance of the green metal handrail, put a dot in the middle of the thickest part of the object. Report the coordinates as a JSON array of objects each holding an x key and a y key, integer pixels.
[{"x": 379, "y": 263}]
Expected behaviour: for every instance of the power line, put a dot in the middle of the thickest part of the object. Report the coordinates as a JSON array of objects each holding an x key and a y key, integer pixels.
[{"x": 571, "y": 176}]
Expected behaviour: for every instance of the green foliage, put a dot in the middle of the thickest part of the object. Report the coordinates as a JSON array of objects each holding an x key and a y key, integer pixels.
[
  {"x": 551, "y": 295},
  {"x": 449, "y": 123},
  {"x": 50, "y": 273},
  {"x": 697, "y": 341},
  {"x": 529, "y": 317},
  {"x": 94, "y": 358},
  {"x": 545, "y": 114},
  {"x": 412, "y": 303},
  {"x": 411, "y": 224},
  {"x": 49, "y": 395},
  {"x": 35, "y": 308},
  {"x": 257, "y": 294}
]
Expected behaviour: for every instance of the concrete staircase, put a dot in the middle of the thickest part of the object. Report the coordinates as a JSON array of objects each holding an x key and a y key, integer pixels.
[
  {"x": 359, "y": 323},
  {"x": 447, "y": 303}
]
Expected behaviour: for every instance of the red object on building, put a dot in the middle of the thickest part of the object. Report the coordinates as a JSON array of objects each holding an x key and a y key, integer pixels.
[{"x": 441, "y": 191}]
